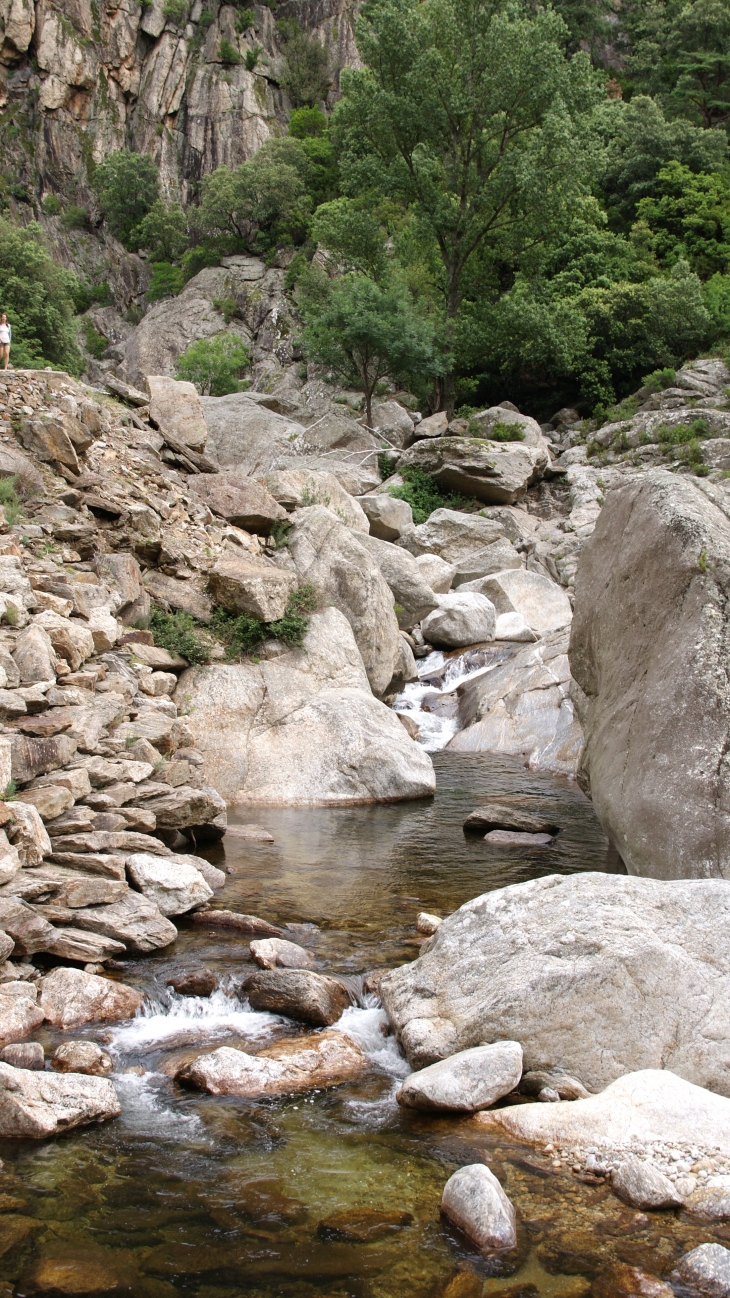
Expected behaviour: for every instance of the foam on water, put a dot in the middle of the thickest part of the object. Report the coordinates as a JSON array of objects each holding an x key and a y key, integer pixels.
[
  {"x": 434, "y": 732},
  {"x": 187, "y": 1018},
  {"x": 365, "y": 1027},
  {"x": 146, "y": 1111}
]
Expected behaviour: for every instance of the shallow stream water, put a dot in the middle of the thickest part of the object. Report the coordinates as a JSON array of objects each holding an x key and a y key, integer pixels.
[{"x": 213, "y": 1197}]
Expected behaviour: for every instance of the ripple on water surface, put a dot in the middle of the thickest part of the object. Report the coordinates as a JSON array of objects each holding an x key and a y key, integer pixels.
[{"x": 215, "y": 1197}]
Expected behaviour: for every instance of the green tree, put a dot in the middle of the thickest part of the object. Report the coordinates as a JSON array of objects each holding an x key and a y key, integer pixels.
[
  {"x": 163, "y": 231},
  {"x": 364, "y": 331},
  {"x": 305, "y": 71},
  {"x": 468, "y": 113},
  {"x": 260, "y": 203},
  {"x": 689, "y": 219},
  {"x": 167, "y": 281},
  {"x": 215, "y": 365},
  {"x": 682, "y": 54},
  {"x": 306, "y": 123},
  {"x": 353, "y": 234},
  {"x": 38, "y": 297},
  {"x": 127, "y": 185}
]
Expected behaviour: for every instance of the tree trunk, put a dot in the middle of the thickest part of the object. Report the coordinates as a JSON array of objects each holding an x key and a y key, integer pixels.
[{"x": 369, "y": 406}]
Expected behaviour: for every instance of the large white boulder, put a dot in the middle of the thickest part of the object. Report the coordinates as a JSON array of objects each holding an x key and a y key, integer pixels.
[
  {"x": 543, "y": 604},
  {"x": 388, "y": 517},
  {"x": 35, "y": 1105},
  {"x": 453, "y": 536},
  {"x": 652, "y": 1106},
  {"x": 594, "y": 974},
  {"x": 330, "y": 556},
  {"x": 468, "y": 1081},
  {"x": 175, "y": 407},
  {"x": 302, "y": 728},
  {"x": 460, "y": 620},
  {"x": 496, "y": 472},
  {"x": 414, "y": 598}
]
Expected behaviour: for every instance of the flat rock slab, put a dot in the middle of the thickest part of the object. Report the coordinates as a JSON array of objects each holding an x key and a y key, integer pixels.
[
  {"x": 500, "y": 815},
  {"x": 256, "y": 833},
  {"x": 514, "y": 838},
  {"x": 232, "y": 919},
  {"x": 653, "y": 1105},
  {"x": 289, "y": 1067},
  {"x": 37, "y": 1105},
  {"x": 599, "y": 975}
]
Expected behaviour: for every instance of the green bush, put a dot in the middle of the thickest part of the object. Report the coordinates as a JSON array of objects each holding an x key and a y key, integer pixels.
[
  {"x": 503, "y": 432},
  {"x": 307, "y": 123},
  {"x": 424, "y": 495},
  {"x": 176, "y": 11},
  {"x": 180, "y": 633},
  {"x": 198, "y": 257},
  {"x": 50, "y": 205},
  {"x": 9, "y": 499},
  {"x": 167, "y": 281},
  {"x": 242, "y": 632},
  {"x": 215, "y": 365},
  {"x": 245, "y": 19},
  {"x": 163, "y": 231},
  {"x": 659, "y": 379},
  {"x": 228, "y": 54},
  {"x": 95, "y": 343},
  {"x": 228, "y": 306},
  {"x": 75, "y": 218},
  {"x": 252, "y": 57},
  {"x": 128, "y": 187},
  {"x": 684, "y": 434},
  {"x": 206, "y": 20},
  {"x": 305, "y": 70}
]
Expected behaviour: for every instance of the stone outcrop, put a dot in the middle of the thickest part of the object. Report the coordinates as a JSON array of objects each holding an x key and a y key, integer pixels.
[
  {"x": 648, "y": 653},
  {"x": 496, "y": 472},
  {"x": 637, "y": 968},
  {"x": 302, "y": 727}
]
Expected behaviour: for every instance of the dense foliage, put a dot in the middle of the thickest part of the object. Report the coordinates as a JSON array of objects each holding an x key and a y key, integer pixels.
[
  {"x": 39, "y": 299},
  {"x": 507, "y": 198},
  {"x": 215, "y": 365}
]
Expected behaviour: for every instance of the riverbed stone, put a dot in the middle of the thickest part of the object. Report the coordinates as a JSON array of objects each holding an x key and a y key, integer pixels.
[
  {"x": 474, "y": 1200},
  {"x": 711, "y": 1203},
  {"x": 639, "y": 968},
  {"x": 290, "y": 1066},
  {"x": 19, "y": 1013},
  {"x": 460, "y": 619},
  {"x": 543, "y": 604},
  {"x": 623, "y": 1281},
  {"x": 467, "y": 1081},
  {"x": 174, "y": 887},
  {"x": 70, "y": 997},
  {"x": 299, "y": 994},
  {"x": 277, "y": 953},
  {"x": 82, "y": 1057},
  {"x": 641, "y": 1185},
  {"x": 705, "y": 1271},
  {"x": 194, "y": 982},
  {"x": 363, "y": 1225},
  {"x": 501, "y": 815},
  {"x": 37, "y": 1105},
  {"x": 24, "y": 1054}
]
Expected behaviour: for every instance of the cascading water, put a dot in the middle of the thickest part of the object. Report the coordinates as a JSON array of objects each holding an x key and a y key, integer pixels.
[{"x": 432, "y": 701}]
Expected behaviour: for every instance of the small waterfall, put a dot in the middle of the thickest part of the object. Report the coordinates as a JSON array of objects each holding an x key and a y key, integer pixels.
[{"x": 433, "y": 701}]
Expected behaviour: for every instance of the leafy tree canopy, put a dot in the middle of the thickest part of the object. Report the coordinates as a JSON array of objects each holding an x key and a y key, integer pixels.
[
  {"x": 38, "y": 297},
  {"x": 127, "y": 185}
]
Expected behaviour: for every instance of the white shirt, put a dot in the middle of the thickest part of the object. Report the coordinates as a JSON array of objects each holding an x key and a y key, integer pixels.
[{"x": 4, "y": 335}]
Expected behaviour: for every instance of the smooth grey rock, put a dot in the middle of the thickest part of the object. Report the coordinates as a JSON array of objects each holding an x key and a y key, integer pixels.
[
  {"x": 242, "y": 501},
  {"x": 512, "y": 626},
  {"x": 460, "y": 620},
  {"x": 393, "y": 422},
  {"x": 474, "y": 1201},
  {"x": 413, "y": 596},
  {"x": 502, "y": 815},
  {"x": 19, "y": 1013},
  {"x": 498, "y": 557},
  {"x": 712, "y": 1203},
  {"x": 387, "y": 516},
  {"x": 436, "y": 572},
  {"x": 303, "y": 728},
  {"x": 467, "y": 1081},
  {"x": 37, "y": 1105},
  {"x": 251, "y": 586},
  {"x": 454, "y": 536},
  {"x": 639, "y": 969},
  {"x": 562, "y": 1084},
  {"x": 296, "y": 488},
  {"x": 654, "y": 709},
  {"x": 643, "y": 1186},
  {"x": 543, "y": 604},
  {"x": 523, "y": 708},
  {"x": 175, "y": 407},
  {"x": 277, "y": 953},
  {"x": 706, "y": 1271},
  {"x": 331, "y": 557}
]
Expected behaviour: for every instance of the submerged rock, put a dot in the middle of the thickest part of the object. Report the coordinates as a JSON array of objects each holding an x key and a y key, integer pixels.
[
  {"x": 624, "y": 1281},
  {"x": 468, "y": 1081},
  {"x": 500, "y": 815},
  {"x": 299, "y": 994},
  {"x": 277, "y": 953},
  {"x": 474, "y": 1201},
  {"x": 363, "y": 1225},
  {"x": 291, "y": 1065},
  {"x": 26, "y": 1054},
  {"x": 82, "y": 1057},
  {"x": 599, "y": 974},
  {"x": 36, "y": 1105},
  {"x": 710, "y": 1204},
  {"x": 643, "y": 1186}
]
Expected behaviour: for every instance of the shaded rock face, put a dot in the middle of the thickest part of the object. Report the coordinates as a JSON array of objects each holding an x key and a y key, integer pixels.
[
  {"x": 648, "y": 651},
  {"x": 627, "y": 961},
  {"x": 302, "y": 728}
]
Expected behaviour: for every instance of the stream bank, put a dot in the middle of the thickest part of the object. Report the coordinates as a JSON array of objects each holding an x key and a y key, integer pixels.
[{"x": 214, "y": 1196}]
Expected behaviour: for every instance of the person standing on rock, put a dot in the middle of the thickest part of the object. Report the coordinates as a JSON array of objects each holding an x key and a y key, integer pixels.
[{"x": 5, "y": 337}]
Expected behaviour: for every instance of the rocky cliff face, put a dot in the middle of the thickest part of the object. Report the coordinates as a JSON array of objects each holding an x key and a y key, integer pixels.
[{"x": 79, "y": 79}]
